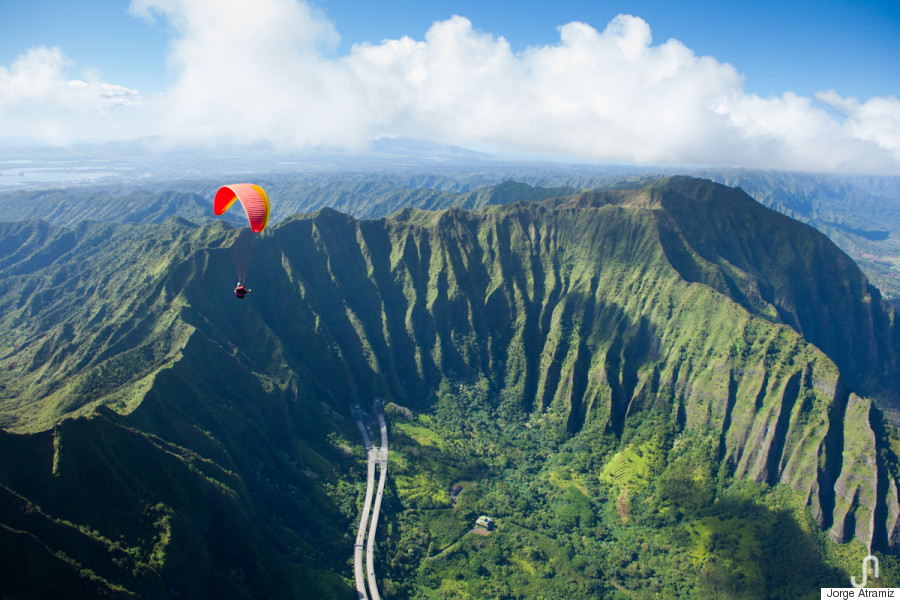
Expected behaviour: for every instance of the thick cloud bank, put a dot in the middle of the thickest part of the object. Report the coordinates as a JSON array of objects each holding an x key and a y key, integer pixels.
[{"x": 261, "y": 70}]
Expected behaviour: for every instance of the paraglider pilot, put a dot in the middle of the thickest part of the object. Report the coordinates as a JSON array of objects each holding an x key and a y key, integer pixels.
[{"x": 240, "y": 291}]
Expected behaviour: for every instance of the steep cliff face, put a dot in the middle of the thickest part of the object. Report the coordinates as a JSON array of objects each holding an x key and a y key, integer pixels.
[
  {"x": 575, "y": 306},
  {"x": 783, "y": 271},
  {"x": 683, "y": 298}
]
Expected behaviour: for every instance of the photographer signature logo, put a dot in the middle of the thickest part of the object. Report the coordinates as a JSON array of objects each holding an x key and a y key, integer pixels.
[{"x": 865, "y": 571}]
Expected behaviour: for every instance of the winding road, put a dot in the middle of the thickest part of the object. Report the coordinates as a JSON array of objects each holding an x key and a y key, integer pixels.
[{"x": 375, "y": 457}]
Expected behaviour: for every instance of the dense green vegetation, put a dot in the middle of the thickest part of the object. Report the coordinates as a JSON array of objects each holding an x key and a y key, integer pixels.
[
  {"x": 660, "y": 390},
  {"x": 575, "y": 518}
]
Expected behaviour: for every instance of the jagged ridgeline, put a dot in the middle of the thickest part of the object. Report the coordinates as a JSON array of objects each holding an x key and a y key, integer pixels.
[{"x": 162, "y": 438}]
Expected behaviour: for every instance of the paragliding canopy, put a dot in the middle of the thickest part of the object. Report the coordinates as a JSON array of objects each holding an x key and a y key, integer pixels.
[
  {"x": 253, "y": 198},
  {"x": 256, "y": 205}
]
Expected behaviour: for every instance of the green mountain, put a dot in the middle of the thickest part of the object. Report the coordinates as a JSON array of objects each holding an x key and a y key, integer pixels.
[
  {"x": 362, "y": 195},
  {"x": 858, "y": 214},
  {"x": 666, "y": 389},
  {"x": 103, "y": 204}
]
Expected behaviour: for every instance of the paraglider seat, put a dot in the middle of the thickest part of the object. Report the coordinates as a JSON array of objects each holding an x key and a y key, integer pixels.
[{"x": 240, "y": 291}]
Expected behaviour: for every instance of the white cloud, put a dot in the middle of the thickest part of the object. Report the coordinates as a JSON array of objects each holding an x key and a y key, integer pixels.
[
  {"x": 39, "y": 103},
  {"x": 259, "y": 70},
  {"x": 876, "y": 120},
  {"x": 248, "y": 69},
  {"x": 610, "y": 95}
]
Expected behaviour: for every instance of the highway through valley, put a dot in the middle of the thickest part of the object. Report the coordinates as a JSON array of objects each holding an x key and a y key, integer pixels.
[{"x": 375, "y": 457}]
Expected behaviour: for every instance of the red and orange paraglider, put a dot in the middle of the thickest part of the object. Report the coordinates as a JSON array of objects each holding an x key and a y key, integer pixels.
[
  {"x": 256, "y": 205},
  {"x": 252, "y": 197}
]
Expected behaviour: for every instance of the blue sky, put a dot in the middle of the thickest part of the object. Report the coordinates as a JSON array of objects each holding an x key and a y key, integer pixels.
[
  {"x": 801, "y": 46},
  {"x": 777, "y": 79}
]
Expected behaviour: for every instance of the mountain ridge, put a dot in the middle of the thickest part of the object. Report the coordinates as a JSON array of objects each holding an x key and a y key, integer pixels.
[{"x": 857, "y": 213}]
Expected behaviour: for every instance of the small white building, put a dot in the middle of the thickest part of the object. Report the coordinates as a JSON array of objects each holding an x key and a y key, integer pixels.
[{"x": 484, "y": 522}]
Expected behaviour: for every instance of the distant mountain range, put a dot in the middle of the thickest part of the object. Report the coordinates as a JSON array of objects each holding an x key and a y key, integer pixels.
[
  {"x": 860, "y": 214},
  {"x": 608, "y": 370}
]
